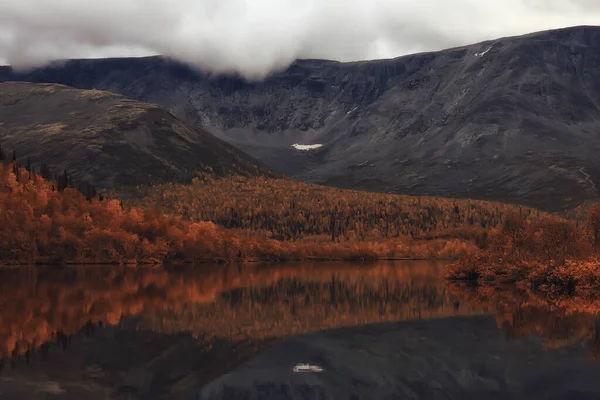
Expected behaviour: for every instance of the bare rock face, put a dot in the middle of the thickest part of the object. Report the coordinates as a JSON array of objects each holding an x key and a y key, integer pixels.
[
  {"x": 513, "y": 119},
  {"x": 107, "y": 139}
]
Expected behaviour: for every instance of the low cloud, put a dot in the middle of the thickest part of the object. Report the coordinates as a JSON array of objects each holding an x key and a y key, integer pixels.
[{"x": 255, "y": 37}]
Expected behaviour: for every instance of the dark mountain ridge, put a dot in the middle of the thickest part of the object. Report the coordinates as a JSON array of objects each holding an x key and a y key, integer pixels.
[
  {"x": 514, "y": 119},
  {"x": 107, "y": 139}
]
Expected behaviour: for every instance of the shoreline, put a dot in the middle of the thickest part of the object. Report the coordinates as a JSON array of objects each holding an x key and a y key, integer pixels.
[{"x": 217, "y": 262}]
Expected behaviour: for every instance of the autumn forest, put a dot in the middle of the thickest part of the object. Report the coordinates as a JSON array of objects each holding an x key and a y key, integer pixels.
[
  {"x": 230, "y": 219},
  {"x": 50, "y": 219}
]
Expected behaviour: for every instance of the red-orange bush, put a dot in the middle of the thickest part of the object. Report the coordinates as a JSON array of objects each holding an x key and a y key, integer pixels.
[{"x": 549, "y": 252}]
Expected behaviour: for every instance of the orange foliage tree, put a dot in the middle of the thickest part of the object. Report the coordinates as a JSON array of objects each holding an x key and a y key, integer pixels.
[
  {"x": 285, "y": 209},
  {"x": 548, "y": 252}
]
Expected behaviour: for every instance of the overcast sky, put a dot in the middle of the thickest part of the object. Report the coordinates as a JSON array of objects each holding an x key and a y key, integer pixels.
[{"x": 254, "y": 37}]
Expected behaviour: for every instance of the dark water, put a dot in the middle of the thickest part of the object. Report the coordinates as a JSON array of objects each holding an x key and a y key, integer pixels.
[{"x": 386, "y": 330}]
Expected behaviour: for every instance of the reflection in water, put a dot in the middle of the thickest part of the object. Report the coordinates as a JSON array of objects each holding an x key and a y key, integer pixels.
[
  {"x": 521, "y": 313},
  {"x": 232, "y": 302},
  {"x": 294, "y": 301},
  {"x": 257, "y": 304}
]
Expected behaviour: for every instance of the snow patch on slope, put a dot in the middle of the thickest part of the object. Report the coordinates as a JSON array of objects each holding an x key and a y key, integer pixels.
[
  {"x": 483, "y": 53},
  {"x": 306, "y": 147}
]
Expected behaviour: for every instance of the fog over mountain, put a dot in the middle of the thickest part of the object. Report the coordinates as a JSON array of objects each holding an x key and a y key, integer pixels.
[
  {"x": 257, "y": 37},
  {"x": 514, "y": 119}
]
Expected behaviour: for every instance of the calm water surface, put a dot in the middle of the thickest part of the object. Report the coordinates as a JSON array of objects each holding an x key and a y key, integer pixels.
[{"x": 385, "y": 330}]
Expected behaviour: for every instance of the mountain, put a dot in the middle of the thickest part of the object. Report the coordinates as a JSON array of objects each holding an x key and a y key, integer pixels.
[
  {"x": 109, "y": 140},
  {"x": 463, "y": 358},
  {"x": 514, "y": 119}
]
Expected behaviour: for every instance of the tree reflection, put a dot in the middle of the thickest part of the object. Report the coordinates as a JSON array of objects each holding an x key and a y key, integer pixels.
[
  {"x": 523, "y": 313},
  {"x": 43, "y": 305}
]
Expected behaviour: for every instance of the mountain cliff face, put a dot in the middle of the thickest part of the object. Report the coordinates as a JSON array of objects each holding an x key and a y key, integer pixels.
[
  {"x": 107, "y": 139},
  {"x": 514, "y": 119}
]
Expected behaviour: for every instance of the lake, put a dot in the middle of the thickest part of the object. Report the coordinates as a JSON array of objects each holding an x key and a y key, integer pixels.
[{"x": 382, "y": 330}]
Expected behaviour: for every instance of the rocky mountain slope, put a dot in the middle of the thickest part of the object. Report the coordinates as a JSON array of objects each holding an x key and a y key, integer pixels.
[
  {"x": 107, "y": 139},
  {"x": 514, "y": 119}
]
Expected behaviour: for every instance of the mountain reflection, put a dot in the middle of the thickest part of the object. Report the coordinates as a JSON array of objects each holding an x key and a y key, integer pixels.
[{"x": 234, "y": 302}]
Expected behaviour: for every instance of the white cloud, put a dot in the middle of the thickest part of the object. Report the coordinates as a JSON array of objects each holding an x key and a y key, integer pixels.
[{"x": 254, "y": 37}]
